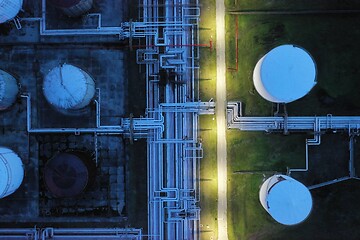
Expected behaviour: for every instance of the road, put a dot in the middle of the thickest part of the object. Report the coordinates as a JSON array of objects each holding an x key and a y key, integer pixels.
[{"x": 221, "y": 120}]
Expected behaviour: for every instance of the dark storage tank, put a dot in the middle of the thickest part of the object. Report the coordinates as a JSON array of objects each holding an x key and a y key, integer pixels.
[
  {"x": 9, "y": 9},
  {"x": 68, "y": 174}
]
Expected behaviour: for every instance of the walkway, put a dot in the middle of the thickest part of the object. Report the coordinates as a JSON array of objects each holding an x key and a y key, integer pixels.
[{"x": 221, "y": 120}]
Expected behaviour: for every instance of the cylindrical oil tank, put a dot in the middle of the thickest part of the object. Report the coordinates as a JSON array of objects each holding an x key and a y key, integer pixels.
[
  {"x": 68, "y": 174},
  {"x": 9, "y": 9},
  {"x": 68, "y": 87},
  {"x": 8, "y": 90},
  {"x": 285, "y": 74},
  {"x": 11, "y": 172},
  {"x": 73, "y": 8},
  {"x": 287, "y": 200}
]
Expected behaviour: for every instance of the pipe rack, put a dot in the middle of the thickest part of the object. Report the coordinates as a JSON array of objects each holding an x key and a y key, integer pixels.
[
  {"x": 170, "y": 126},
  {"x": 316, "y": 124}
]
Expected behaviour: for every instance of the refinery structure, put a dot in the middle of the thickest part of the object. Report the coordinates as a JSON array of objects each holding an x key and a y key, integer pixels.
[
  {"x": 99, "y": 102},
  {"x": 68, "y": 159},
  {"x": 286, "y": 74}
]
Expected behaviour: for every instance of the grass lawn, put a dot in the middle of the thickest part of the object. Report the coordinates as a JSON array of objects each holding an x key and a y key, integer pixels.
[
  {"x": 260, "y": 156},
  {"x": 291, "y": 5},
  {"x": 334, "y": 215},
  {"x": 208, "y": 178},
  {"x": 246, "y": 218},
  {"x": 207, "y": 56},
  {"x": 208, "y": 164},
  {"x": 332, "y": 41},
  {"x": 256, "y": 151}
]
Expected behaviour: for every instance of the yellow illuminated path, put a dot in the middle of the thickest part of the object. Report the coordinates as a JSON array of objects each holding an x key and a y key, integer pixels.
[{"x": 221, "y": 121}]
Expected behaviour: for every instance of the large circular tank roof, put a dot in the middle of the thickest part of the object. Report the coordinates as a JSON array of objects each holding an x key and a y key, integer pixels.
[
  {"x": 9, "y": 9},
  {"x": 68, "y": 87},
  {"x": 288, "y": 201},
  {"x": 8, "y": 90},
  {"x": 11, "y": 172},
  {"x": 285, "y": 74},
  {"x": 66, "y": 174}
]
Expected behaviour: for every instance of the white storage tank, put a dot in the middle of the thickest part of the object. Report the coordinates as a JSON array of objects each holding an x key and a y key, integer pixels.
[
  {"x": 285, "y": 74},
  {"x": 8, "y": 90},
  {"x": 73, "y": 8},
  {"x": 68, "y": 87},
  {"x": 11, "y": 172},
  {"x": 287, "y": 200},
  {"x": 9, "y": 9}
]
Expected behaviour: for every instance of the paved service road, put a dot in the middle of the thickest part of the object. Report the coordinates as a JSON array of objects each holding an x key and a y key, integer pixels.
[{"x": 221, "y": 121}]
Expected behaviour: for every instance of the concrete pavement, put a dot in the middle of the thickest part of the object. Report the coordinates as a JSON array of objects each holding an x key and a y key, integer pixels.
[{"x": 221, "y": 120}]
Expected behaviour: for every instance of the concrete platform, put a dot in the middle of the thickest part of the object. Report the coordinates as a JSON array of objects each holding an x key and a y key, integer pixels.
[{"x": 29, "y": 63}]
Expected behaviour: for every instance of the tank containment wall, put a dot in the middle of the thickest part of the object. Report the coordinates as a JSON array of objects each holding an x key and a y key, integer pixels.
[
  {"x": 11, "y": 172},
  {"x": 287, "y": 200},
  {"x": 8, "y": 90},
  {"x": 285, "y": 74},
  {"x": 9, "y": 9}
]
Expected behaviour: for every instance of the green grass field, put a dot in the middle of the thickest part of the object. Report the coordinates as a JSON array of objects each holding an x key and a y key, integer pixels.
[
  {"x": 332, "y": 41},
  {"x": 332, "y": 217},
  {"x": 208, "y": 164},
  {"x": 258, "y": 155},
  {"x": 207, "y": 56},
  {"x": 291, "y": 5},
  {"x": 208, "y": 178}
]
